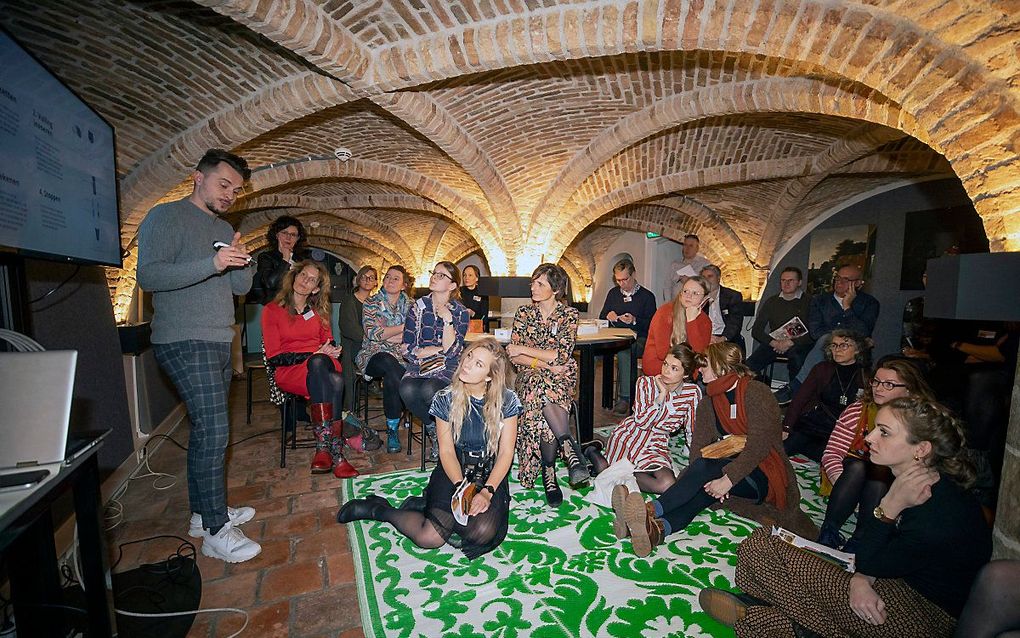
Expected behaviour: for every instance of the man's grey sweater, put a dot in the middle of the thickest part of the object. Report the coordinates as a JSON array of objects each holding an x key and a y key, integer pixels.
[{"x": 190, "y": 299}]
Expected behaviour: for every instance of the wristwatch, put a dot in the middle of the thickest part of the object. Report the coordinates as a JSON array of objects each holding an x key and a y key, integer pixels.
[
  {"x": 880, "y": 515},
  {"x": 492, "y": 490}
]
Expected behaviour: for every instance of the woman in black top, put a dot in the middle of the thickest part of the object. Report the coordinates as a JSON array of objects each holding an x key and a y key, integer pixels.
[
  {"x": 920, "y": 551},
  {"x": 477, "y": 305},
  {"x": 830, "y": 387},
  {"x": 286, "y": 238}
]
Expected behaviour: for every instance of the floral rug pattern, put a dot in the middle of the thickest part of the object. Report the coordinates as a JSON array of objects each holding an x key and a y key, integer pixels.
[{"x": 559, "y": 572}]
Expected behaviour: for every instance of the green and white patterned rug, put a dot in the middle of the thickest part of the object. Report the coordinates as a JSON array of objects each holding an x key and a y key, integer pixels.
[{"x": 558, "y": 573}]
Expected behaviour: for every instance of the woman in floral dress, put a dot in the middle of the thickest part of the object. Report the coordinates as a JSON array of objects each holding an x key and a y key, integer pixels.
[{"x": 541, "y": 349}]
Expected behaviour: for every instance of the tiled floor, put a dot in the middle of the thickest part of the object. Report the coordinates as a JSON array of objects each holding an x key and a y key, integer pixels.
[{"x": 302, "y": 584}]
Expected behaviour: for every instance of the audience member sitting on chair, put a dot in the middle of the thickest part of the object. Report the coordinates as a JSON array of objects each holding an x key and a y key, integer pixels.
[
  {"x": 382, "y": 351},
  {"x": 434, "y": 335},
  {"x": 299, "y": 345},
  {"x": 352, "y": 334},
  {"x": 542, "y": 350},
  {"x": 856, "y": 481},
  {"x": 772, "y": 315},
  {"x": 759, "y": 471},
  {"x": 665, "y": 407},
  {"x": 830, "y": 387},
  {"x": 920, "y": 551},
  {"x": 627, "y": 305},
  {"x": 679, "y": 321},
  {"x": 476, "y": 420}
]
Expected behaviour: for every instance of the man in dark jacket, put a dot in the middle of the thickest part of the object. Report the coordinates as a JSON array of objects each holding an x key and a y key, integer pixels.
[
  {"x": 628, "y": 305},
  {"x": 726, "y": 308},
  {"x": 774, "y": 313}
]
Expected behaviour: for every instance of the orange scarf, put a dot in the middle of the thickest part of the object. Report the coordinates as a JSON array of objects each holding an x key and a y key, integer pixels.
[
  {"x": 859, "y": 448},
  {"x": 772, "y": 465}
]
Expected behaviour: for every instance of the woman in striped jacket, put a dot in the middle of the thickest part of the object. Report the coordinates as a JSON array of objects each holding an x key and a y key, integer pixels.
[
  {"x": 665, "y": 406},
  {"x": 856, "y": 481}
]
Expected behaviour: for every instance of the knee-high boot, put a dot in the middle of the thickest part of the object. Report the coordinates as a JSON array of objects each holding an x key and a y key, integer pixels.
[{"x": 322, "y": 417}]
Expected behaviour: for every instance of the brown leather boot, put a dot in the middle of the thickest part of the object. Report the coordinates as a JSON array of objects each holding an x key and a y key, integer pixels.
[
  {"x": 322, "y": 416},
  {"x": 646, "y": 531}
]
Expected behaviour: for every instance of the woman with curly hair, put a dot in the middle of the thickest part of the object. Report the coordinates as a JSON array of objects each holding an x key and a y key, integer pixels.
[{"x": 286, "y": 237}]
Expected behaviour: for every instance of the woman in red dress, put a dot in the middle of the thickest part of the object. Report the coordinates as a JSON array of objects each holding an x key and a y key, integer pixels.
[
  {"x": 299, "y": 345},
  {"x": 667, "y": 329}
]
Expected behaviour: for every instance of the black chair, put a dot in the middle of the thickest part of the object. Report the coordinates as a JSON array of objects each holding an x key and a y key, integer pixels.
[{"x": 289, "y": 405}]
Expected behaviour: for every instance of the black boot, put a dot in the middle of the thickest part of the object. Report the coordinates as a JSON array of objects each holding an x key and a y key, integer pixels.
[
  {"x": 414, "y": 503},
  {"x": 577, "y": 466},
  {"x": 553, "y": 493},
  {"x": 362, "y": 509}
]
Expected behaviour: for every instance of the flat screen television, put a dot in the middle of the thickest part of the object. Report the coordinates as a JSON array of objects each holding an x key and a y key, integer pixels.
[{"x": 58, "y": 176}]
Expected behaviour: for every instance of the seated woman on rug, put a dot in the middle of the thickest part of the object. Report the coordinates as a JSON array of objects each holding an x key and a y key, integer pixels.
[
  {"x": 920, "y": 551},
  {"x": 382, "y": 351},
  {"x": 476, "y": 420},
  {"x": 759, "y": 472},
  {"x": 665, "y": 406},
  {"x": 542, "y": 350},
  {"x": 682, "y": 320},
  {"x": 830, "y": 387},
  {"x": 434, "y": 335},
  {"x": 299, "y": 345},
  {"x": 857, "y": 483}
]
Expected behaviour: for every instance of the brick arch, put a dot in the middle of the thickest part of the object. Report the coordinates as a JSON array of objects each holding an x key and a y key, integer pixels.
[
  {"x": 961, "y": 110},
  {"x": 341, "y": 234},
  {"x": 577, "y": 272},
  {"x": 465, "y": 213},
  {"x": 458, "y": 252},
  {"x": 266, "y": 109}
]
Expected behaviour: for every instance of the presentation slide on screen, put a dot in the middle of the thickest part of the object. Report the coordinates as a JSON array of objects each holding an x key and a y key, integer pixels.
[{"x": 58, "y": 190}]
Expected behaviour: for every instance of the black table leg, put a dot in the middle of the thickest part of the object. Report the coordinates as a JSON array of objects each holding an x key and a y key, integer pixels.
[
  {"x": 35, "y": 582},
  {"x": 586, "y": 395},
  {"x": 93, "y": 550},
  {"x": 608, "y": 368}
]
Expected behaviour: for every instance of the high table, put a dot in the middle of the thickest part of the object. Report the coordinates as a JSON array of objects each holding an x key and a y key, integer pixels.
[{"x": 607, "y": 342}]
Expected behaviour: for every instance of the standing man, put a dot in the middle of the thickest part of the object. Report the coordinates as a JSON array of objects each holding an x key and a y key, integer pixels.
[
  {"x": 628, "y": 305},
  {"x": 726, "y": 308},
  {"x": 192, "y": 285},
  {"x": 845, "y": 307},
  {"x": 691, "y": 259},
  {"x": 773, "y": 313}
]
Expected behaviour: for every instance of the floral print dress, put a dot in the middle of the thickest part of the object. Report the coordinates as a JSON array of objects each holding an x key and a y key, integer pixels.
[{"x": 538, "y": 387}]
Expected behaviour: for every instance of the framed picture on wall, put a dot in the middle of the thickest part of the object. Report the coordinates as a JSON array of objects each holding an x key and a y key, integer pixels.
[
  {"x": 934, "y": 233},
  {"x": 833, "y": 248}
]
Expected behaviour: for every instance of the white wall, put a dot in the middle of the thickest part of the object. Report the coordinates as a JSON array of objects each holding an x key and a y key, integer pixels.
[
  {"x": 651, "y": 259},
  {"x": 474, "y": 259}
]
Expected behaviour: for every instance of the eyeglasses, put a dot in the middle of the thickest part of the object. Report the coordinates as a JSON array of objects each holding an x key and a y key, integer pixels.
[
  {"x": 289, "y": 234},
  {"x": 845, "y": 345},
  {"x": 369, "y": 277},
  {"x": 440, "y": 273},
  {"x": 887, "y": 385}
]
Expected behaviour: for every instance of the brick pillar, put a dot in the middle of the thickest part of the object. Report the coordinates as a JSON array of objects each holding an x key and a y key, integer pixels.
[{"x": 1006, "y": 537}]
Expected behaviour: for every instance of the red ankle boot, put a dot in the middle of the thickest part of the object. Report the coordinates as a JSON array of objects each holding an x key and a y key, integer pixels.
[{"x": 343, "y": 469}]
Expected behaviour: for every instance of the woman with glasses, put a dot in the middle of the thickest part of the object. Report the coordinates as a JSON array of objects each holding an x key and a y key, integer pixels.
[
  {"x": 856, "y": 481},
  {"x": 286, "y": 237},
  {"x": 299, "y": 345},
  {"x": 830, "y": 387},
  {"x": 382, "y": 350},
  {"x": 352, "y": 333},
  {"x": 434, "y": 337},
  {"x": 679, "y": 321},
  {"x": 922, "y": 548}
]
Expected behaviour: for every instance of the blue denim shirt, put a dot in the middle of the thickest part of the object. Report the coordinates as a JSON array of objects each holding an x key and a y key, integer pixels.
[{"x": 424, "y": 328}]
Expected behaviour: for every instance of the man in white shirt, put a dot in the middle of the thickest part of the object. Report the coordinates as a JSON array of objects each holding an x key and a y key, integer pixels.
[{"x": 690, "y": 265}]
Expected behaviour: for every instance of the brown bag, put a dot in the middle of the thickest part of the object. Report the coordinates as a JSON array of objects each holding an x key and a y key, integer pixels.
[{"x": 725, "y": 448}]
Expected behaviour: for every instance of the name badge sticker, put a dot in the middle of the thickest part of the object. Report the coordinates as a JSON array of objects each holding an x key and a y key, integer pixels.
[
  {"x": 477, "y": 298},
  {"x": 733, "y": 411},
  {"x": 308, "y": 315}
]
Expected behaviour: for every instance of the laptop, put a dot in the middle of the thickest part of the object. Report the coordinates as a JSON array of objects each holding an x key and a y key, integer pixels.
[{"x": 37, "y": 388}]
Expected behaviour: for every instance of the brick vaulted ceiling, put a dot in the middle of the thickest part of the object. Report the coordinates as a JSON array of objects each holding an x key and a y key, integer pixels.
[{"x": 537, "y": 129}]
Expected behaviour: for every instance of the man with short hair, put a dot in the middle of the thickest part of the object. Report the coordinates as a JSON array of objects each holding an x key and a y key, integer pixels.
[
  {"x": 690, "y": 259},
  {"x": 193, "y": 263},
  {"x": 726, "y": 308},
  {"x": 628, "y": 305},
  {"x": 845, "y": 307},
  {"x": 775, "y": 312}
]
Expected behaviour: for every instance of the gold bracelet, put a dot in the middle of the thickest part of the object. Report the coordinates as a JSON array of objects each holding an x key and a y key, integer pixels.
[{"x": 534, "y": 362}]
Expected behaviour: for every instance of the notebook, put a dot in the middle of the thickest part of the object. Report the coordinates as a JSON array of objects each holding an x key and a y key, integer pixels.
[{"x": 37, "y": 388}]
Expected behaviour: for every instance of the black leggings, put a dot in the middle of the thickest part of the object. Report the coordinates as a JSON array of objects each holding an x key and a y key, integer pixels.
[
  {"x": 385, "y": 366},
  {"x": 862, "y": 484},
  {"x": 687, "y": 497},
  {"x": 808, "y": 443},
  {"x": 324, "y": 383},
  {"x": 417, "y": 393},
  {"x": 993, "y": 609}
]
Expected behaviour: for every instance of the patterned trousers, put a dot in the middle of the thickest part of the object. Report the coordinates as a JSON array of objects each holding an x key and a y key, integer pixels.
[
  {"x": 815, "y": 593},
  {"x": 200, "y": 370}
]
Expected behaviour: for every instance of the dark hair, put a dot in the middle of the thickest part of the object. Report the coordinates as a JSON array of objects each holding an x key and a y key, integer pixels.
[
  {"x": 408, "y": 279},
  {"x": 689, "y": 359},
  {"x": 794, "y": 270},
  {"x": 214, "y": 156},
  {"x": 364, "y": 270},
  {"x": 284, "y": 222},
  {"x": 908, "y": 372},
  {"x": 931, "y": 421},
  {"x": 624, "y": 264},
  {"x": 692, "y": 236},
  {"x": 556, "y": 276},
  {"x": 861, "y": 343},
  {"x": 478, "y": 273},
  {"x": 454, "y": 273}
]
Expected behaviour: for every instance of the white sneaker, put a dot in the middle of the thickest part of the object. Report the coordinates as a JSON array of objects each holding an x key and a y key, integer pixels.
[
  {"x": 236, "y": 515},
  {"x": 230, "y": 545}
]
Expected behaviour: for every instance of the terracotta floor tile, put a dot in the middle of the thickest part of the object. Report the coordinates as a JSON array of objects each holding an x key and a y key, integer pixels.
[
  {"x": 291, "y": 580},
  {"x": 291, "y": 525},
  {"x": 290, "y": 487},
  {"x": 325, "y": 542},
  {"x": 315, "y": 501},
  {"x": 203, "y": 626},
  {"x": 274, "y": 554},
  {"x": 232, "y": 591},
  {"x": 340, "y": 569},
  {"x": 353, "y": 632},
  {"x": 242, "y": 494},
  {"x": 270, "y": 507},
  {"x": 267, "y": 621},
  {"x": 330, "y": 611}
]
